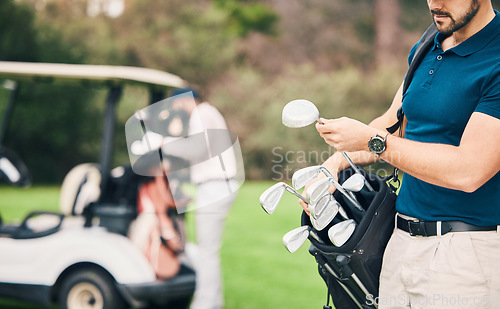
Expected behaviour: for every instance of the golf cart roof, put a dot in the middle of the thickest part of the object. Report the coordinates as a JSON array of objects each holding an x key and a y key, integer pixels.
[{"x": 99, "y": 74}]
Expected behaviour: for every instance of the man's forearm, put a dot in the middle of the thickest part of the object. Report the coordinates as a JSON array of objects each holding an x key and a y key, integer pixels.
[
  {"x": 465, "y": 167},
  {"x": 337, "y": 162},
  {"x": 439, "y": 164}
]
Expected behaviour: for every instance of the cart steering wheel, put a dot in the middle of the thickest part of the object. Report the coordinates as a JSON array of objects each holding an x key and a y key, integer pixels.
[{"x": 12, "y": 168}]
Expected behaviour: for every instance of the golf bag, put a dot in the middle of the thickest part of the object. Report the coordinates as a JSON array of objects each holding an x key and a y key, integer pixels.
[
  {"x": 158, "y": 229},
  {"x": 351, "y": 271}
]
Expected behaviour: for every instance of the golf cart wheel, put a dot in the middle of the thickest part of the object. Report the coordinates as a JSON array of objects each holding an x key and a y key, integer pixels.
[
  {"x": 89, "y": 289},
  {"x": 174, "y": 304}
]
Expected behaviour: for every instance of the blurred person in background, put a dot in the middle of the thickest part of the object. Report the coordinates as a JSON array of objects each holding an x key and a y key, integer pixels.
[{"x": 213, "y": 174}]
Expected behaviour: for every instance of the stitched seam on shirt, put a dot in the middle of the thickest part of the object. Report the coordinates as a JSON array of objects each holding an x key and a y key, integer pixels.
[{"x": 493, "y": 72}]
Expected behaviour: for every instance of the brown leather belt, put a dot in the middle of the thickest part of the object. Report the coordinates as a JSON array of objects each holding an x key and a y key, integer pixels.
[{"x": 430, "y": 228}]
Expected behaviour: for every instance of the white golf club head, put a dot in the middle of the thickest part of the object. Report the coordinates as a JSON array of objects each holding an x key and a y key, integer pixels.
[
  {"x": 354, "y": 183},
  {"x": 349, "y": 195},
  {"x": 317, "y": 190},
  {"x": 299, "y": 113},
  {"x": 323, "y": 203},
  {"x": 340, "y": 233},
  {"x": 307, "y": 174},
  {"x": 357, "y": 171},
  {"x": 325, "y": 210},
  {"x": 295, "y": 238},
  {"x": 304, "y": 176},
  {"x": 270, "y": 198}
]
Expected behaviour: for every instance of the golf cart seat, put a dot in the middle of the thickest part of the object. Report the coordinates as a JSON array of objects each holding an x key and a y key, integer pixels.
[
  {"x": 80, "y": 188},
  {"x": 82, "y": 195}
]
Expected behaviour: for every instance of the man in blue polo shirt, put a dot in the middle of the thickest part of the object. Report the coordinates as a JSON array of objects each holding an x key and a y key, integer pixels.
[{"x": 445, "y": 251}]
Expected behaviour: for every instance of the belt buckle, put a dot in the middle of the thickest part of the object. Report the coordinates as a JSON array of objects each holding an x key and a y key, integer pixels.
[{"x": 417, "y": 228}]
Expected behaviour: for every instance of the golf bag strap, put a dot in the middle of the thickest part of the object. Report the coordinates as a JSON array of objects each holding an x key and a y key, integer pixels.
[{"x": 426, "y": 43}]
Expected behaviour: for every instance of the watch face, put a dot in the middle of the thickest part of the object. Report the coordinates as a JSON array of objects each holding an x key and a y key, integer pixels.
[{"x": 377, "y": 145}]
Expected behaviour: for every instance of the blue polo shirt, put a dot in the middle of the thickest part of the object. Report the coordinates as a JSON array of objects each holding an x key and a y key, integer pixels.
[{"x": 446, "y": 89}]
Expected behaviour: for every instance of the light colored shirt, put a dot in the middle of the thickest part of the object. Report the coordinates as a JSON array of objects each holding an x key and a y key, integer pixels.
[{"x": 208, "y": 146}]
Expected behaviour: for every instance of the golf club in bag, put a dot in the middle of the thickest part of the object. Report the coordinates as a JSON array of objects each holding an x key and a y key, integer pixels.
[{"x": 351, "y": 271}]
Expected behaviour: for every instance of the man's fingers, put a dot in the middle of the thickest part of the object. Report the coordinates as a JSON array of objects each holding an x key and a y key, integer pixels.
[
  {"x": 305, "y": 206},
  {"x": 322, "y": 128},
  {"x": 321, "y": 121}
]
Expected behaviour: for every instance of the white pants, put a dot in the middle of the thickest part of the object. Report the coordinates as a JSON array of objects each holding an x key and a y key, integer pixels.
[
  {"x": 209, "y": 227},
  {"x": 456, "y": 270}
]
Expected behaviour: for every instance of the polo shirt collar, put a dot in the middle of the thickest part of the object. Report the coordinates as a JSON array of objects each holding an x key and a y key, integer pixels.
[{"x": 476, "y": 42}]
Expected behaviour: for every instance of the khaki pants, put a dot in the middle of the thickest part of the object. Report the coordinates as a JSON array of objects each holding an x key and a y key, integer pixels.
[
  {"x": 455, "y": 270},
  {"x": 211, "y": 213}
]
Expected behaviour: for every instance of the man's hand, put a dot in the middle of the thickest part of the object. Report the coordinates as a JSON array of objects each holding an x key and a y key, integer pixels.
[
  {"x": 345, "y": 134},
  {"x": 305, "y": 206}
]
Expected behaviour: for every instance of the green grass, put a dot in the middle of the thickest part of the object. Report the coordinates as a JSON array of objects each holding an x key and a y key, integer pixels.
[
  {"x": 16, "y": 203},
  {"x": 258, "y": 271}
]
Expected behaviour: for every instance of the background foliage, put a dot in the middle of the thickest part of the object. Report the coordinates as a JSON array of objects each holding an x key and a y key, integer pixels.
[{"x": 250, "y": 57}]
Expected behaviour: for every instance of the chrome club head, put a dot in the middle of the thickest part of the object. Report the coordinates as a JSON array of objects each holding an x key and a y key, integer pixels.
[
  {"x": 299, "y": 113},
  {"x": 323, "y": 212},
  {"x": 317, "y": 190},
  {"x": 357, "y": 171},
  {"x": 340, "y": 233},
  {"x": 354, "y": 183},
  {"x": 295, "y": 238},
  {"x": 305, "y": 175},
  {"x": 320, "y": 187},
  {"x": 270, "y": 198}
]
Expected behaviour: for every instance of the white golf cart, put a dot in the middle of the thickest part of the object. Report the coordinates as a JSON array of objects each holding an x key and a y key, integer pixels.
[{"x": 82, "y": 258}]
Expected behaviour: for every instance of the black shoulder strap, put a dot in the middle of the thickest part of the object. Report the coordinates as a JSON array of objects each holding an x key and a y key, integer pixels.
[{"x": 426, "y": 42}]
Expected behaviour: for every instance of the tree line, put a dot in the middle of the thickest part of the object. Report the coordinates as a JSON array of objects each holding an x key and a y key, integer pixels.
[{"x": 249, "y": 58}]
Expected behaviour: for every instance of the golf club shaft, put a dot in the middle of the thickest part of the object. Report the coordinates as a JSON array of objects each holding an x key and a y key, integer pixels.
[
  {"x": 328, "y": 174},
  {"x": 343, "y": 213},
  {"x": 347, "y": 195},
  {"x": 339, "y": 187},
  {"x": 351, "y": 194},
  {"x": 355, "y": 168},
  {"x": 362, "y": 286},
  {"x": 339, "y": 280},
  {"x": 315, "y": 236},
  {"x": 292, "y": 190},
  {"x": 325, "y": 171}
]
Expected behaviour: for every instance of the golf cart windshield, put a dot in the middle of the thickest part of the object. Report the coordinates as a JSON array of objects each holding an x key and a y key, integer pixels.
[{"x": 28, "y": 76}]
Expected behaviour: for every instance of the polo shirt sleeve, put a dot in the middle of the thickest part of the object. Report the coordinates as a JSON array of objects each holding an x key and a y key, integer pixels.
[{"x": 490, "y": 100}]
